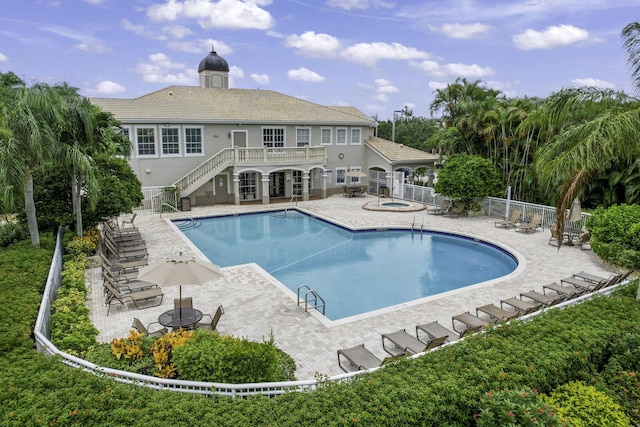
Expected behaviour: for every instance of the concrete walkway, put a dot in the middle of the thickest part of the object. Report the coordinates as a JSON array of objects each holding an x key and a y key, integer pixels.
[{"x": 256, "y": 304}]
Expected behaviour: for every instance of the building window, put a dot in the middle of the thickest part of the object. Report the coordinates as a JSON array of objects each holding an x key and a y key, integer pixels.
[
  {"x": 341, "y": 177},
  {"x": 303, "y": 137},
  {"x": 356, "y": 136},
  {"x": 325, "y": 136},
  {"x": 296, "y": 182},
  {"x": 193, "y": 140},
  {"x": 248, "y": 188},
  {"x": 146, "y": 141},
  {"x": 341, "y": 136},
  {"x": 170, "y": 141},
  {"x": 273, "y": 137}
]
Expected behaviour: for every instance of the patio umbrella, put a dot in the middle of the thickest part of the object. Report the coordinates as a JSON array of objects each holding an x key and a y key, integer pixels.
[
  {"x": 575, "y": 214},
  {"x": 180, "y": 271},
  {"x": 356, "y": 174}
]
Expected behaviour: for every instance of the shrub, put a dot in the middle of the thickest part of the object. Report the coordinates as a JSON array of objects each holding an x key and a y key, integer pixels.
[
  {"x": 585, "y": 406},
  {"x": 615, "y": 234},
  {"x": 12, "y": 232},
  {"x": 467, "y": 177},
  {"x": 71, "y": 328},
  {"x": 212, "y": 357},
  {"x": 518, "y": 407},
  {"x": 81, "y": 245}
]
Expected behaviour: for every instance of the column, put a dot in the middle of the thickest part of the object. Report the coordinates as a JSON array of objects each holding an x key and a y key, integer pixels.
[
  {"x": 236, "y": 188},
  {"x": 265, "y": 188},
  {"x": 305, "y": 186},
  {"x": 323, "y": 178}
]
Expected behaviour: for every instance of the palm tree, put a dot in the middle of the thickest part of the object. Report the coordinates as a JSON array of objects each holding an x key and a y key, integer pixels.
[
  {"x": 596, "y": 130},
  {"x": 28, "y": 140}
]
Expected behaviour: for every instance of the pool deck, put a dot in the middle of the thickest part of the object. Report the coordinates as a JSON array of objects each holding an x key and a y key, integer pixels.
[{"x": 256, "y": 305}]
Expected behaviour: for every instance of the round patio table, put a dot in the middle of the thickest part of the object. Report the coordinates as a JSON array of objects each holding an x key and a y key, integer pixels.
[{"x": 185, "y": 318}]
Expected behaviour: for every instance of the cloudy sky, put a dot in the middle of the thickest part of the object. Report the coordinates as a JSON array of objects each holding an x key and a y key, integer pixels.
[{"x": 376, "y": 55}]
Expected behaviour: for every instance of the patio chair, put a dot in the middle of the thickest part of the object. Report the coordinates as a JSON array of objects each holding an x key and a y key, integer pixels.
[
  {"x": 345, "y": 191},
  {"x": 544, "y": 300},
  {"x": 511, "y": 222},
  {"x": 497, "y": 314},
  {"x": 556, "y": 238},
  {"x": 403, "y": 343},
  {"x": 523, "y": 307},
  {"x": 212, "y": 326},
  {"x": 144, "y": 330},
  {"x": 584, "y": 241},
  {"x": 435, "y": 330},
  {"x": 115, "y": 296},
  {"x": 455, "y": 211},
  {"x": 569, "y": 291},
  {"x": 359, "y": 358},
  {"x": 125, "y": 266},
  {"x": 186, "y": 302},
  {"x": 471, "y": 323},
  {"x": 439, "y": 210},
  {"x": 530, "y": 227},
  {"x": 129, "y": 221}
]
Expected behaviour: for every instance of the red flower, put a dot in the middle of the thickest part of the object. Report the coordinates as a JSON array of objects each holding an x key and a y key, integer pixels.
[{"x": 510, "y": 414}]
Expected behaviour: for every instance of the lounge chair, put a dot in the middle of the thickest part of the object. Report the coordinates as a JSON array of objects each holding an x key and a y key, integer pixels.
[
  {"x": 456, "y": 211},
  {"x": 569, "y": 291},
  {"x": 497, "y": 314},
  {"x": 511, "y": 222},
  {"x": 128, "y": 287},
  {"x": 439, "y": 210},
  {"x": 115, "y": 296},
  {"x": 472, "y": 323},
  {"x": 144, "y": 330},
  {"x": 435, "y": 331},
  {"x": 403, "y": 343},
  {"x": 523, "y": 307},
  {"x": 545, "y": 300},
  {"x": 593, "y": 277},
  {"x": 125, "y": 255},
  {"x": 212, "y": 326},
  {"x": 591, "y": 285},
  {"x": 118, "y": 276},
  {"x": 530, "y": 227},
  {"x": 125, "y": 266},
  {"x": 358, "y": 357}
]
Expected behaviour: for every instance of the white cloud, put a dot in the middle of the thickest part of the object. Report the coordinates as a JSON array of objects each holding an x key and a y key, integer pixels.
[
  {"x": 436, "y": 85},
  {"x": 504, "y": 87},
  {"x": 177, "y": 31},
  {"x": 305, "y": 74},
  {"x": 358, "y": 4},
  {"x": 201, "y": 46},
  {"x": 3, "y": 57},
  {"x": 315, "y": 45},
  {"x": 591, "y": 82},
  {"x": 95, "y": 1},
  {"x": 463, "y": 31},
  {"x": 237, "y": 14},
  {"x": 384, "y": 88},
  {"x": 106, "y": 87},
  {"x": 92, "y": 47},
  {"x": 453, "y": 69},
  {"x": 551, "y": 37},
  {"x": 139, "y": 30},
  {"x": 161, "y": 69},
  {"x": 261, "y": 79},
  {"x": 370, "y": 53}
]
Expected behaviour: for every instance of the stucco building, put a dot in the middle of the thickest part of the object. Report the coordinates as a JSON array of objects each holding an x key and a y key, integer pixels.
[{"x": 222, "y": 145}]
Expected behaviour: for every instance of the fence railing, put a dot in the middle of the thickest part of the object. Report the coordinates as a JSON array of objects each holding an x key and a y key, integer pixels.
[{"x": 495, "y": 207}]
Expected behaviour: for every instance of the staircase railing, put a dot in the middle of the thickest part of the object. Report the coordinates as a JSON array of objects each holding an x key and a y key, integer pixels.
[{"x": 240, "y": 156}]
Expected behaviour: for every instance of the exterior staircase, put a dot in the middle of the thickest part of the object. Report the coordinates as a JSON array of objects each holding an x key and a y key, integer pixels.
[{"x": 260, "y": 158}]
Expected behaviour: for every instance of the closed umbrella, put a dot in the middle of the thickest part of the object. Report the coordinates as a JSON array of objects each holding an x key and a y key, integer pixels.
[
  {"x": 180, "y": 271},
  {"x": 356, "y": 174},
  {"x": 575, "y": 214}
]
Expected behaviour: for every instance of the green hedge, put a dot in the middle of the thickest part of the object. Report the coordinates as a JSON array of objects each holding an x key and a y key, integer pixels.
[
  {"x": 615, "y": 235},
  {"x": 444, "y": 387}
]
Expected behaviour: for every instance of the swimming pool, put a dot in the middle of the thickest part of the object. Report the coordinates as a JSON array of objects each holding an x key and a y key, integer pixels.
[{"x": 353, "y": 271}]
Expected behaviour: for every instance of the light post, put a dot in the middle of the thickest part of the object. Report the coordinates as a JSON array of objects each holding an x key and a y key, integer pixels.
[{"x": 393, "y": 126}]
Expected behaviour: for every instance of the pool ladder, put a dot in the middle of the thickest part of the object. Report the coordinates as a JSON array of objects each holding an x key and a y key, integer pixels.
[
  {"x": 311, "y": 296},
  {"x": 414, "y": 225}
]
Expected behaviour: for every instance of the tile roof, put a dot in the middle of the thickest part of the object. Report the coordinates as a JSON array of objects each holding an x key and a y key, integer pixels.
[
  {"x": 194, "y": 104},
  {"x": 395, "y": 152}
]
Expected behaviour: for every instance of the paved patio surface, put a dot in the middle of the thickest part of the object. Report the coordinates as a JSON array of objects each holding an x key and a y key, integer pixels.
[{"x": 256, "y": 305}]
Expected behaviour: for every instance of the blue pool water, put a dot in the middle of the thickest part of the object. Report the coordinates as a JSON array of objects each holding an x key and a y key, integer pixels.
[{"x": 354, "y": 272}]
